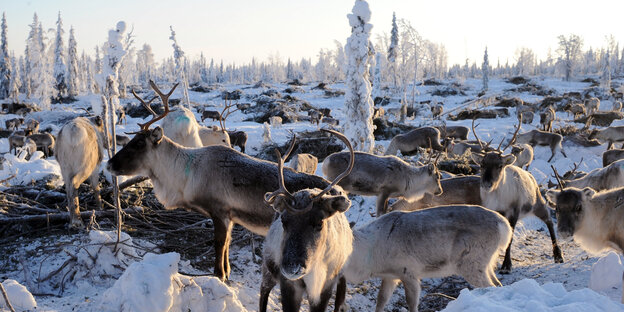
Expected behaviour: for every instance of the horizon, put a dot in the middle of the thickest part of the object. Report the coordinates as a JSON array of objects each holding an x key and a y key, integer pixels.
[{"x": 227, "y": 32}]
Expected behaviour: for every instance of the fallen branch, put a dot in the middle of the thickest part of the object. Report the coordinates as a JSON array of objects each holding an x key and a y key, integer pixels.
[
  {"x": 126, "y": 184},
  {"x": 6, "y": 298},
  {"x": 64, "y": 216}
]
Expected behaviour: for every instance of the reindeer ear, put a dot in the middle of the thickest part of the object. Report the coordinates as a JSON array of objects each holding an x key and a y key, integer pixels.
[
  {"x": 336, "y": 203},
  {"x": 551, "y": 195},
  {"x": 509, "y": 159},
  {"x": 156, "y": 135},
  {"x": 588, "y": 192},
  {"x": 477, "y": 158},
  {"x": 98, "y": 121}
]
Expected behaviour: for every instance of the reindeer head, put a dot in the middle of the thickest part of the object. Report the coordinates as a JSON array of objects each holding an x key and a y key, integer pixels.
[
  {"x": 569, "y": 208},
  {"x": 304, "y": 216},
  {"x": 492, "y": 166},
  {"x": 129, "y": 160}
]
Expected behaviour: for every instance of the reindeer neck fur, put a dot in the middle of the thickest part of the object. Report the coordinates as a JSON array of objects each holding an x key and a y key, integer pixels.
[
  {"x": 515, "y": 189},
  {"x": 167, "y": 166},
  {"x": 414, "y": 186},
  {"x": 604, "y": 212}
]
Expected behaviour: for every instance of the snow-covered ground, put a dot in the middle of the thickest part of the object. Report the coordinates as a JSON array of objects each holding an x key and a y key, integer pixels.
[{"x": 140, "y": 278}]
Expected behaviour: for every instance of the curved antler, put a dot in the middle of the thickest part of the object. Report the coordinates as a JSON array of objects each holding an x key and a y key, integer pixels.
[
  {"x": 346, "y": 172},
  {"x": 515, "y": 135},
  {"x": 146, "y": 105},
  {"x": 269, "y": 198},
  {"x": 557, "y": 177},
  {"x": 165, "y": 99},
  {"x": 475, "y": 135},
  {"x": 224, "y": 116}
]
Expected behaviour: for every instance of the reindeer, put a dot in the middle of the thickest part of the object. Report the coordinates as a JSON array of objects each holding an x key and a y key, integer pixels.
[
  {"x": 315, "y": 117},
  {"x": 32, "y": 125},
  {"x": 215, "y": 135},
  {"x": 122, "y": 140},
  {"x": 330, "y": 121},
  {"x": 12, "y": 124},
  {"x": 513, "y": 193},
  {"x": 308, "y": 243},
  {"x": 121, "y": 115},
  {"x": 617, "y": 106},
  {"x": 527, "y": 117},
  {"x": 79, "y": 151},
  {"x": 577, "y": 109},
  {"x": 610, "y": 156},
  {"x": 456, "y": 190},
  {"x": 524, "y": 155},
  {"x": 546, "y": 119},
  {"x": 45, "y": 142},
  {"x": 437, "y": 110},
  {"x": 216, "y": 181},
  {"x": 214, "y": 115},
  {"x": 238, "y": 138},
  {"x": 537, "y": 137},
  {"x": 434, "y": 242},
  {"x": 455, "y": 132},
  {"x": 304, "y": 162},
  {"x": 609, "y": 177},
  {"x": 592, "y": 104},
  {"x": 384, "y": 177},
  {"x": 614, "y": 134},
  {"x": 594, "y": 219},
  {"x": 423, "y": 137},
  {"x": 15, "y": 141}
]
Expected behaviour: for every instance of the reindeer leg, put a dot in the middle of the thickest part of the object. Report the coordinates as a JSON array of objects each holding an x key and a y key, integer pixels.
[
  {"x": 341, "y": 291},
  {"x": 73, "y": 205},
  {"x": 291, "y": 295},
  {"x": 222, "y": 236},
  {"x": 542, "y": 213},
  {"x": 268, "y": 282},
  {"x": 506, "y": 267},
  {"x": 326, "y": 294},
  {"x": 94, "y": 181},
  {"x": 385, "y": 292},
  {"x": 382, "y": 204},
  {"x": 412, "y": 293}
]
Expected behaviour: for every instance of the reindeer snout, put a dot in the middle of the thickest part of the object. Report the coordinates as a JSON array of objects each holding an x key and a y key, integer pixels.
[{"x": 292, "y": 271}]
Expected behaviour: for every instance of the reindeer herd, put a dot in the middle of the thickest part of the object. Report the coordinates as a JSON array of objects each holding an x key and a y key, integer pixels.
[{"x": 436, "y": 227}]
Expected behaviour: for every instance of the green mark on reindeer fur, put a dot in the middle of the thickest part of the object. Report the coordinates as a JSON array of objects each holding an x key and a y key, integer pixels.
[
  {"x": 187, "y": 168},
  {"x": 182, "y": 118}
]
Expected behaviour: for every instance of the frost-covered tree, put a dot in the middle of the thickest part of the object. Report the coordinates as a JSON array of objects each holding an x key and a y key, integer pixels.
[
  {"x": 358, "y": 101},
  {"x": 289, "y": 71},
  {"x": 340, "y": 61},
  {"x": 393, "y": 48},
  {"x": 525, "y": 64},
  {"x": 377, "y": 77},
  {"x": 5, "y": 61},
  {"x": 485, "y": 70},
  {"x": 145, "y": 65},
  {"x": 569, "y": 51},
  {"x": 15, "y": 82},
  {"x": 60, "y": 69},
  {"x": 178, "y": 56},
  {"x": 73, "y": 74},
  {"x": 39, "y": 74},
  {"x": 606, "y": 72}
]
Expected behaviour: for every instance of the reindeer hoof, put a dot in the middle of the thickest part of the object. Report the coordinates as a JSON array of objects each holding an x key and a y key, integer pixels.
[
  {"x": 505, "y": 269},
  {"x": 557, "y": 255}
]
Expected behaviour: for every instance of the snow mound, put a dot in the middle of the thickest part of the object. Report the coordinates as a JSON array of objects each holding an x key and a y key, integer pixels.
[
  {"x": 23, "y": 172},
  {"x": 155, "y": 285},
  {"x": 21, "y": 299},
  {"x": 99, "y": 257},
  {"x": 528, "y": 295},
  {"x": 606, "y": 273}
]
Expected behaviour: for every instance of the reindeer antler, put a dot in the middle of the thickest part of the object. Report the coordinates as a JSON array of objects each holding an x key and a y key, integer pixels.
[
  {"x": 344, "y": 173},
  {"x": 515, "y": 135},
  {"x": 165, "y": 99},
  {"x": 146, "y": 105},
  {"x": 224, "y": 116},
  {"x": 269, "y": 198},
  {"x": 557, "y": 177},
  {"x": 475, "y": 135}
]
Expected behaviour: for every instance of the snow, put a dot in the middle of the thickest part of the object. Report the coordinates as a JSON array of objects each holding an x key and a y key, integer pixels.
[
  {"x": 154, "y": 285},
  {"x": 528, "y": 295},
  {"x": 121, "y": 276},
  {"x": 606, "y": 273},
  {"x": 19, "y": 297}
]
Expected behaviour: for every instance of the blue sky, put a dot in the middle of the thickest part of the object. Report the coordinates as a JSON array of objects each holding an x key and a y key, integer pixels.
[{"x": 237, "y": 30}]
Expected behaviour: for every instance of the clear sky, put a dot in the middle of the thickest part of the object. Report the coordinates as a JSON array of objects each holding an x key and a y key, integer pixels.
[{"x": 237, "y": 30}]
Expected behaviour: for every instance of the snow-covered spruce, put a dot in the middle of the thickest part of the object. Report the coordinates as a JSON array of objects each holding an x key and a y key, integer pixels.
[{"x": 358, "y": 101}]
